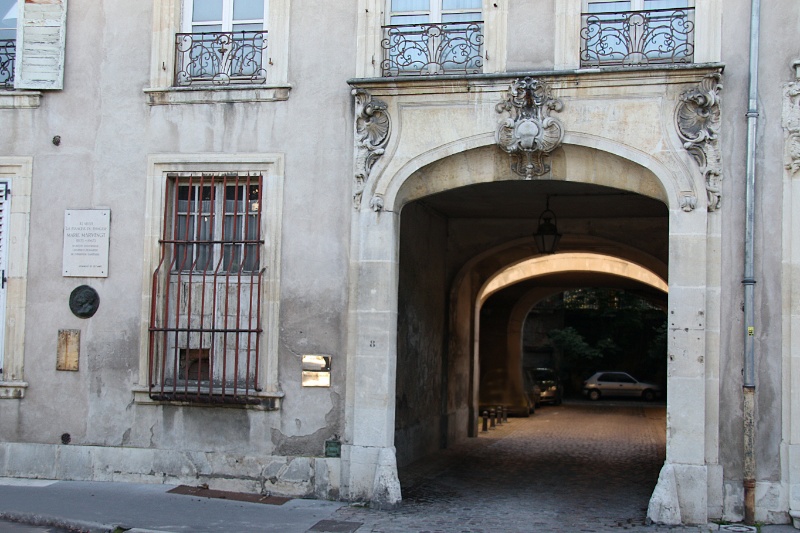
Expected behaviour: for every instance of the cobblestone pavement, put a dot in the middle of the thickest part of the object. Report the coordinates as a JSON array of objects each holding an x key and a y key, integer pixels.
[{"x": 572, "y": 468}]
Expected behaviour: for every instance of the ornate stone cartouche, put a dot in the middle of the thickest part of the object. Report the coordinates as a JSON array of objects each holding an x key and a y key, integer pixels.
[{"x": 529, "y": 134}]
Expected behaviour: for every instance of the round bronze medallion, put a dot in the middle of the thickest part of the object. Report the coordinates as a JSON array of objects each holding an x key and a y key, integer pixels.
[{"x": 84, "y": 301}]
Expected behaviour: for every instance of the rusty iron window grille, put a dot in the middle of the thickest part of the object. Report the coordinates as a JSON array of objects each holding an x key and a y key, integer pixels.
[
  {"x": 431, "y": 48},
  {"x": 205, "y": 316},
  {"x": 220, "y": 58},
  {"x": 656, "y": 36}
]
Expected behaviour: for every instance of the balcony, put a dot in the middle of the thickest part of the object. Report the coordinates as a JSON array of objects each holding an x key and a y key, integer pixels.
[
  {"x": 427, "y": 49},
  {"x": 220, "y": 58},
  {"x": 637, "y": 38},
  {"x": 8, "y": 54}
]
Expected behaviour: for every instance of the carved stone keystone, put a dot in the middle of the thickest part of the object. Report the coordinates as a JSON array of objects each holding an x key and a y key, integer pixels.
[{"x": 529, "y": 134}]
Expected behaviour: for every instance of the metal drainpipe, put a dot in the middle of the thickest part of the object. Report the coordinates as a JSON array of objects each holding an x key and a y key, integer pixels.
[{"x": 749, "y": 281}]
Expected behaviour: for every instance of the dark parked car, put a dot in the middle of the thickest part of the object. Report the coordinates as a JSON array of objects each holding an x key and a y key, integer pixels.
[
  {"x": 619, "y": 384},
  {"x": 549, "y": 383}
]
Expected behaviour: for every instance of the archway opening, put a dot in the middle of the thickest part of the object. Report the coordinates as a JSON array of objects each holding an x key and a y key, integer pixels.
[
  {"x": 469, "y": 274},
  {"x": 451, "y": 244}
]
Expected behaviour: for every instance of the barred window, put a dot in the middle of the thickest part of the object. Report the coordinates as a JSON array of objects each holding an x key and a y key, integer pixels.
[{"x": 205, "y": 305}]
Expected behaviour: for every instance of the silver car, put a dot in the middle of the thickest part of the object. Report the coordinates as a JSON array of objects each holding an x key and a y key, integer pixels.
[{"x": 619, "y": 384}]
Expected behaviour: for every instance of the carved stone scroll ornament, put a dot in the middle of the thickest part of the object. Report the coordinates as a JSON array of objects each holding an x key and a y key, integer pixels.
[
  {"x": 791, "y": 123},
  {"x": 529, "y": 134},
  {"x": 372, "y": 129},
  {"x": 697, "y": 120}
]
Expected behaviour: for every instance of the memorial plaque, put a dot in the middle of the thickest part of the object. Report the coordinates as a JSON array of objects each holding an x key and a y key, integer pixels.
[
  {"x": 69, "y": 349},
  {"x": 86, "y": 235},
  {"x": 84, "y": 301}
]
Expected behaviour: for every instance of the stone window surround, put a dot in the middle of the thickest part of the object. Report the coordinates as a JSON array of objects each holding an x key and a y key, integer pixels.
[
  {"x": 20, "y": 99},
  {"x": 19, "y": 172},
  {"x": 271, "y": 167},
  {"x": 167, "y": 21}
]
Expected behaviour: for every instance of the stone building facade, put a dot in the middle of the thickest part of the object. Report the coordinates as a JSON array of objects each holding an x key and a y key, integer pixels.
[{"x": 308, "y": 204}]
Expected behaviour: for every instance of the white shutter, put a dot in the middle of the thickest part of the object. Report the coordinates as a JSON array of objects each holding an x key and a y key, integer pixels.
[
  {"x": 5, "y": 210},
  {"x": 41, "y": 34}
]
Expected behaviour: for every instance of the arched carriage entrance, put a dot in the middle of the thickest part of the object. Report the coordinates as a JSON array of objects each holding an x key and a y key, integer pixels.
[{"x": 594, "y": 180}]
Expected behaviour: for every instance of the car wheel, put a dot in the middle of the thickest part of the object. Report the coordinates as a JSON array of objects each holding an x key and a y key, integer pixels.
[
  {"x": 594, "y": 395},
  {"x": 558, "y": 400},
  {"x": 648, "y": 395}
]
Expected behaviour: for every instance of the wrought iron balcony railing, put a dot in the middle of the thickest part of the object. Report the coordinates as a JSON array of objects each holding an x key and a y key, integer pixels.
[
  {"x": 8, "y": 54},
  {"x": 220, "y": 58},
  {"x": 637, "y": 37},
  {"x": 424, "y": 49}
]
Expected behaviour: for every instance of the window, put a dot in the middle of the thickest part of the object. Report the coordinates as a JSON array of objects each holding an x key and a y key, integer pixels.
[
  {"x": 211, "y": 283},
  {"x": 15, "y": 201},
  {"x": 637, "y": 32},
  {"x": 8, "y": 42},
  {"x": 433, "y": 37},
  {"x": 33, "y": 57},
  {"x": 4, "y": 211},
  {"x": 205, "y": 323},
  {"x": 224, "y": 42}
]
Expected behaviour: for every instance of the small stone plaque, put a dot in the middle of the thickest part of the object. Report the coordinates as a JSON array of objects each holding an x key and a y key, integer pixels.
[
  {"x": 69, "y": 349},
  {"x": 86, "y": 236}
]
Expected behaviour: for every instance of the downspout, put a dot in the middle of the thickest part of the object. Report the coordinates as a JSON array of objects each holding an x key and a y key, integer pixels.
[{"x": 749, "y": 385}]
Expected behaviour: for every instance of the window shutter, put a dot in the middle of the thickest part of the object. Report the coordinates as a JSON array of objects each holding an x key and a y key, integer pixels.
[
  {"x": 41, "y": 34},
  {"x": 5, "y": 209}
]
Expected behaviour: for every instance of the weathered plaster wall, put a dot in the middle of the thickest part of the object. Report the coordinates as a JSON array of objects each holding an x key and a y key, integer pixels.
[
  {"x": 107, "y": 132},
  {"x": 530, "y": 46},
  {"x": 778, "y": 48},
  {"x": 421, "y": 334}
]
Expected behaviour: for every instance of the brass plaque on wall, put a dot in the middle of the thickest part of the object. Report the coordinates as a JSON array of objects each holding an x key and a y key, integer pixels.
[
  {"x": 69, "y": 349},
  {"x": 316, "y": 371}
]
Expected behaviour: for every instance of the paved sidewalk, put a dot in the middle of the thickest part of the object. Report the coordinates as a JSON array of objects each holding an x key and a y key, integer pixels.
[{"x": 100, "y": 507}]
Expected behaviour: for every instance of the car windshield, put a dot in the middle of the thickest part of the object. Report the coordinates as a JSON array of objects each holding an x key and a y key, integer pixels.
[{"x": 544, "y": 375}]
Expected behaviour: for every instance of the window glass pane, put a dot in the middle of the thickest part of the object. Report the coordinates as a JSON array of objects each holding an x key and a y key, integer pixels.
[
  {"x": 204, "y": 10},
  {"x": 462, "y": 4},
  {"x": 251, "y": 259},
  {"x": 411, "y": 5},
  {"x": 248, "y": 27},
  {"x": 613, "y": 7},
  {"x": 665, "y": 4},
  {"x": 248, "y": 9},
  {"x": 8, "y": 14},
  {"x": 409, "y": 19},
  {"x": 205, "y": 28},
  {"x": 461, "y": 17}
]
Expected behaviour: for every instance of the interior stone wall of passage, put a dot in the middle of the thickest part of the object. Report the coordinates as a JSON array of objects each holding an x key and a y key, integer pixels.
[
  {"x": 421, "y": 390},
  {"x": 500, "y": 370}
]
